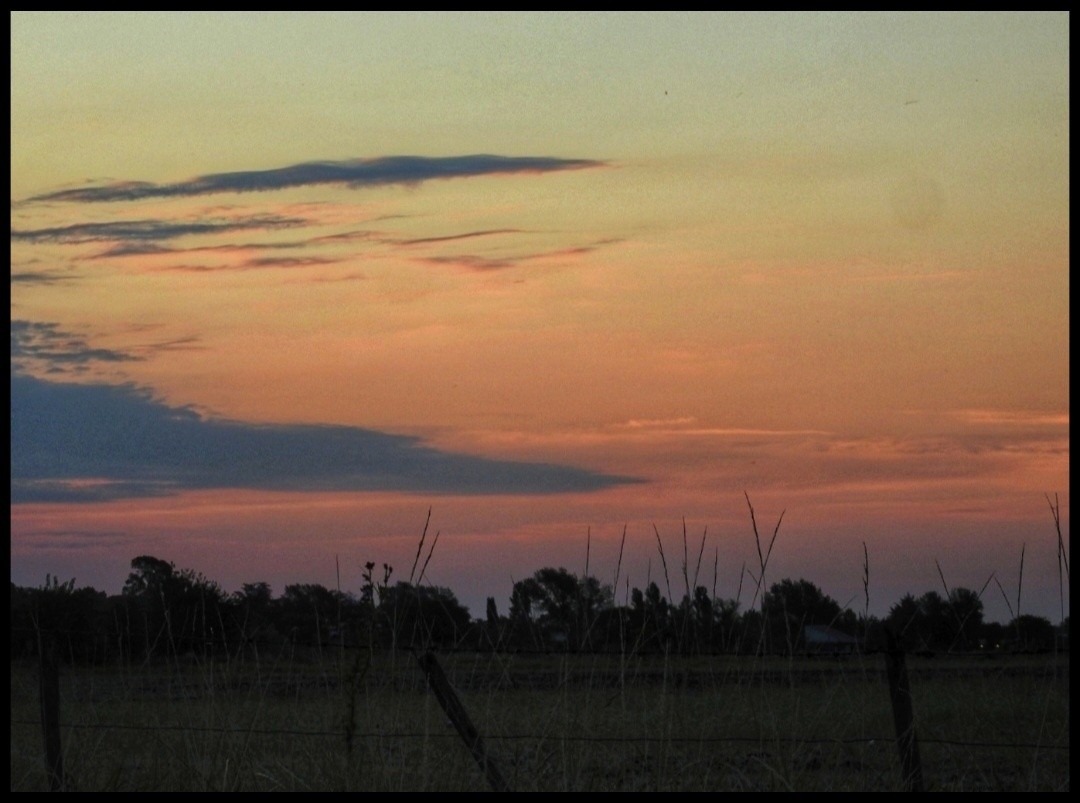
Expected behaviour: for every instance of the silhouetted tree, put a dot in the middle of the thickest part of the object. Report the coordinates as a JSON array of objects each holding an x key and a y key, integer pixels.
[
  {"x": 423, "y": 616},
  {"x": 726, "y": 617},
  {"x": 525, "y": 612},
  {"x": 559, "y": 600},
  {"x": 495, "y": 629},
  {"x": 555, "y": 607},
  {"x": 254, "y": 614},
  {"x": 967, "y": 610},
  {"x": 1031, "y": 633},
  {"x": 905, "y": 620},
  {"x": 790, "y": 605},
  {"x": 651, "y": 615},
  {"x": 76, "y": 620},
  {"x": 937, "y": 621},
  {"x": 751, "y": 638},
  {"x": 171, "y": 611},
  {"x": 593, "y": 600},
  {"x": 311, "y": 614},
  {"x": 703, "y": 619},
  {"x": 164, "y": 610},
  {"x": 872, "y": 633}
]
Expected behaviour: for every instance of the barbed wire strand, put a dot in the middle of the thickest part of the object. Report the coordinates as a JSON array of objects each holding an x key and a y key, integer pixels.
[{"x": 869, "y": 741}]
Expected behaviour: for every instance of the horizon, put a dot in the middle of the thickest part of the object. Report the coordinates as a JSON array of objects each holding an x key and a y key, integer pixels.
[
  {"x": 283, "y": 282},
  {"x": 348, "y": 579}
]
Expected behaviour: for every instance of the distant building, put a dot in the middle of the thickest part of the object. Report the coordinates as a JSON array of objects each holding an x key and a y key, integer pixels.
[{"x": 825, "y": 640}]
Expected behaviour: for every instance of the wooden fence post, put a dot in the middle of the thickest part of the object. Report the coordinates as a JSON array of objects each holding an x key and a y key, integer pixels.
[
  {"x": 50, "y": 710},
  {"x": 450, "y": 703},
  {"x": 903, "y": 717}
]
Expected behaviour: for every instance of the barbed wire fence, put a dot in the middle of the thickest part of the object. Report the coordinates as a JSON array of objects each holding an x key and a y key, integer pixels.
[{"x": 894, "y": 670}]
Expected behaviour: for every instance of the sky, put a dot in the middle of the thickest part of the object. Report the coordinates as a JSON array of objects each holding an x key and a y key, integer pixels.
[{"x": 591, "y": 288}]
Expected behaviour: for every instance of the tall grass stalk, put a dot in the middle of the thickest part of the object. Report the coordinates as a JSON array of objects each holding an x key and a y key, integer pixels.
[
  {"x": 685, "y": 560},
  {"x": 618, "y": 564},
  {"x": 1005, "y": 597},
  {"x": 663, "y": 562},
  {"x": 1020, "y": 579},
  {"x": 588, "y": 549},
  {"x": 763, "y": 558},
  {"x": 701, "y": 552},
  {"x": 941, "y": 574},
  {"x": 866, "y": 582},
  {"x": 427, "y": 560},
  {"x": 1062, "y": 556},
  {"x": 420, "y": 546}
]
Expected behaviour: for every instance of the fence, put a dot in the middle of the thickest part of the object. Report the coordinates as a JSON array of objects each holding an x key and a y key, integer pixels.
[{"x": 599, "y": 681}]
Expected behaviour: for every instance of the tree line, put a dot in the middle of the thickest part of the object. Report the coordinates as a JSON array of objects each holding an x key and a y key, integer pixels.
[{"x": 164, "y": 611}]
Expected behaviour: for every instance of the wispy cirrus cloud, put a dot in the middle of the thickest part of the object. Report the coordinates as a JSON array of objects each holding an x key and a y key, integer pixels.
[
  {"x": 468, "y": 235},
  {"x": 286, "y": 262},
  {"x": 149, "y": 230},
  {"x": 1012, "y": 418},
  {"x": 254, "y": 263},
  {"x": 353, "y": 173},
  {"x": 48, "y": 348},
  {"x": 40, "y": 277},
  {"x": 96, "y": 442},
  {"x": 472, "y": 262},
  {"x": 57, "y": 350},
  {"x": 136, "y": 250},
  {"x": 193, "y": 242},
  {"x": 480, "y": 263}
]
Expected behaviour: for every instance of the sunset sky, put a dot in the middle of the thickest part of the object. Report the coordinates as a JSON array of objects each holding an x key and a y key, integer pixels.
[{"x": 282, "y": 282}]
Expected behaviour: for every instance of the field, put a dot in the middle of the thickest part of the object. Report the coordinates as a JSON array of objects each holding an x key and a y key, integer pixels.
[{"x": 549, "y": 723}]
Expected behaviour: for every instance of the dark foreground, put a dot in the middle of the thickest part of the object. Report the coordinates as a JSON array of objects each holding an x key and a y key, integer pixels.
[{"x": 357, "y": 722}]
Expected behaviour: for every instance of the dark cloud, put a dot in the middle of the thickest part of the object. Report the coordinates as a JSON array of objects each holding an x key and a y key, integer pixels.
[
  {"x": 39, "y": 277},
  {"x": 92, "y": 442},
  {"x": 473, "y": 262},
  {"x": 152, "y": 249},
  {"x": 477, "y": 263},
  {"x": 349, "y": 236},
  {"x": 44, "y": 346},
  {"x": 179, "y": 344},
  {"x": 148, "y": 231},
  {"x": 256, "y": 263},
  {"x": 58, "y": 350},
  {"x": 352, "y": 173},
  {"x": 286, "y": 262},
  {"x": 469, "y": 235},
  {"x": 133, "y": 250},
  {"x": 345, "y": 277}
]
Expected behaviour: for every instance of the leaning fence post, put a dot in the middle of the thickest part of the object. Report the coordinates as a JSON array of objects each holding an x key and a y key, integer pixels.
[
  {"x": 903, "y": 718},
  {"x": 450, "y": 703},
  {"x": 50, "y": 710}
]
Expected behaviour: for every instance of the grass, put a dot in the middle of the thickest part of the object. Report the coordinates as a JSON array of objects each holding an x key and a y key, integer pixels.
[{"x": 553, "y": 723}]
